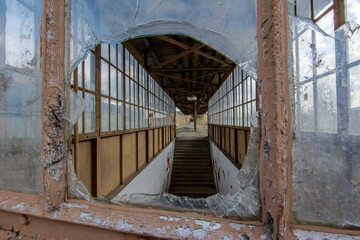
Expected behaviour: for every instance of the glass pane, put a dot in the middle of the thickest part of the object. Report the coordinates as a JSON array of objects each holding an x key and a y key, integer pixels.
[
  {"x": 89, "y": 72},
  {"x": 354, "y": 118},
  {"x": 120, "y": 57},
  {"x": 127, "y": 89},
  {"x": 305, "y": 58},
  {"x": 80, "y": 75},
  {"x": 120, "y": 116},
  {"x": 303, "y": 8},
  {"x": 104, "y": 78},
  {"x": 136, "y": 93},
  {"x": 132, "y": 96},
  {"x": 127, "y": 62},
  {"x": 104, "y": 114},
  {"x": 127, "y": 116},
  {"x": 120, "y": 86},
  {"x": 136, "y": 117},
  {"x": 90, "y": 117},
  {"x": 113, "y": 54},
  {"x": 21, "y": 146},
  {"x": 20, "y": 38},
  {"x": 305, "y": 106},
  {"x": 132, "y": 116},
  {"x": 352, "y": 10},
  {"x": 113, "y": 120},
  {"x": 113, "y": 86},
  {"x": 326, "y": 104},
  {"x": 321, "y": 6},
  {"x": 80, "y": 124},
  {"x": 105, "y": 51}
]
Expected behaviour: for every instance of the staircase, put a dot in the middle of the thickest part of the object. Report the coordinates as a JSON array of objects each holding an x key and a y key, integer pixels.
[{"x": 192, "y": 173}]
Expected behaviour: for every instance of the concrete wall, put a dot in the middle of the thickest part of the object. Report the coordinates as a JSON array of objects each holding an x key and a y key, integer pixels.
[
  {"x": 155, "y": 178},
  {"x": 225, "y": 172}
]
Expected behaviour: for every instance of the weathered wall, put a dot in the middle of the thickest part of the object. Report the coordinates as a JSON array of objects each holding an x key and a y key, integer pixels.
[
  {"x": 155, "y": 178},
  {"x": 225, "y": 172}
]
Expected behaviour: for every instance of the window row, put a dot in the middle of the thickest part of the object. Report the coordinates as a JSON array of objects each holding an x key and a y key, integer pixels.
[
  {"x": 235, "y": 100},
  {"x": 125, "y": 99}
]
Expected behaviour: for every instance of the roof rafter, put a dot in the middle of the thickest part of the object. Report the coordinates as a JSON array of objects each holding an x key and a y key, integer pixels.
[
  {"x": 180, "y": 44},
  {"x": 184, "y": 53}
]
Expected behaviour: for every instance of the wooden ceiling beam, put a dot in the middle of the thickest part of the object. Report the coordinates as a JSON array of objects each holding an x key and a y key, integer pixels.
[
  {"x": 182, "y": 54},
  {"x": 190, "y": 69},
  {"x": 183, "y": 79},
  {"x": 180, "y": 44}
]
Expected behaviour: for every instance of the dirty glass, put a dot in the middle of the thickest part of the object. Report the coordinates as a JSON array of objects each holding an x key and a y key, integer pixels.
[
  {"x": 228, "y": 26},
  {"x": 326, "y": 122},
  {"x": 20, "y": 96}
]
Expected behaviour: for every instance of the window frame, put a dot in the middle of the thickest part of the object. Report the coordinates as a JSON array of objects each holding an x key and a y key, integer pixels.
[{"x": 53, "y": 203}]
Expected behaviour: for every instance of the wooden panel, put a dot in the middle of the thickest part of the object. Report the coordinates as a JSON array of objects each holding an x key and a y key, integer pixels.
[
  {"x": 227, "y": 140},
  {"x": 247, "y": 139},
  {"x": 222, "y": 137},
  {"x": 156, "y": 141},
  {"x": 166, "y": 140},
  {"x": 232, "y": 143},
  {"x": 211, "y": 136},
  {"x": 109, "y": 165},
  {"x": 161, "y": 138},
  {"x": 151, "y": 143},
  {"x": 141, "y": 149},
  {"x": 172, "y": 133},
  {"x": 241, "y": 139},
  {"x": 85, "y": 172},
  {"x": 128, "y": 155}
]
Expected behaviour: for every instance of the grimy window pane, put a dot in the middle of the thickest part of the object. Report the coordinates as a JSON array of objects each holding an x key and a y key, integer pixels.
[
  {"x": 120, "y": 116},
  {"x": 127, "y": 114},
  {"x": 104, "y": 114},
  {"x": 80, "y": 121},
  {"x": 20, "y": 101},
  {"x": 113, "y": 54},
  {"x": 89, "y": 72},
  {"x": 120, "y": 86},
  {"x": 105, "y": 51},
  {"x": 113, "y": 120},
  {"x": 104, "y": 78},
  {"x": 325, "y": 153},
  {"x": 90, "y": 117},
  {"x": 113, "y": 89}
]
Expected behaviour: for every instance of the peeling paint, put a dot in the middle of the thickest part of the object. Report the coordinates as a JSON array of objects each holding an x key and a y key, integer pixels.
[
  {"x": 305, "y": 235},
  {"x": 86, "y": 215},
  {"x": 170, "y": 218},
  {"x": 75, "y": 205},
  {"x": 20, "y": 206},
  {"x": 237, "y": 226},
  {"x": 207, "y": 225},
  {"x": 124, "y": 225}
]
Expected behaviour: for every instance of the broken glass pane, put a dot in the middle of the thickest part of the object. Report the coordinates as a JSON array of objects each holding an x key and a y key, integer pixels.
[
  {"x": 326, "y": 145},
  {"x": 229, "y": 27},
  {"x": 20, "y": 97}
]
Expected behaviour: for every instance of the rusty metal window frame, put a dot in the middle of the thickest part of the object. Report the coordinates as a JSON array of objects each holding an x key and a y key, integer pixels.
[{"x": 51, "y": 205}]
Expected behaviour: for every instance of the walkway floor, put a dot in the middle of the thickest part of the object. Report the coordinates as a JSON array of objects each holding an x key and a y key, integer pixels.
[{"x": 188, "y": 132}]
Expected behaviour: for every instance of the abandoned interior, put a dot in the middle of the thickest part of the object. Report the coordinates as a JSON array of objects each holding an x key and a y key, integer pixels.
[{"x": 89, "y": 92}]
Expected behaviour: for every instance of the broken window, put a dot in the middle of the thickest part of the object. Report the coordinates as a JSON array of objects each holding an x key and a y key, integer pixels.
[
  {"x": 325, "y": 116},
  {"x": 219, "y": 26},
  {"x": 20, "y": 96}
]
